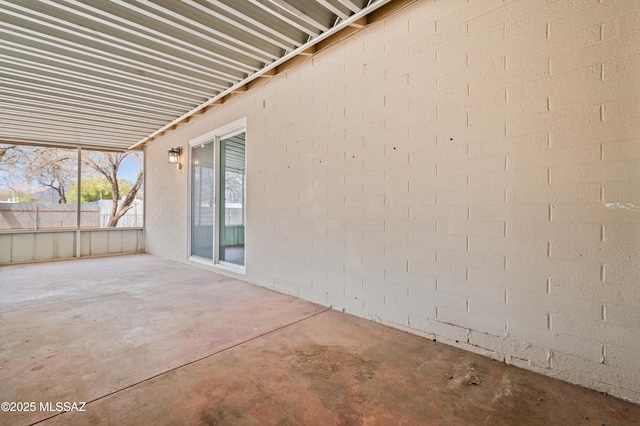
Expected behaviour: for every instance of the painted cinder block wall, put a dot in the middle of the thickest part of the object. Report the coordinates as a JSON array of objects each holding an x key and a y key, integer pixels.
[{"x": 465, "y": 170}]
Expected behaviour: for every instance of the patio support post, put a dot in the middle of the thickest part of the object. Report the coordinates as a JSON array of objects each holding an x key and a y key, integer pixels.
[{"x": 78, "y": 201}]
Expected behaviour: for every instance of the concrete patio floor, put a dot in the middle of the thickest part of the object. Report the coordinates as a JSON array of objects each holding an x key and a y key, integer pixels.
[{"x": 143, "y": 340}]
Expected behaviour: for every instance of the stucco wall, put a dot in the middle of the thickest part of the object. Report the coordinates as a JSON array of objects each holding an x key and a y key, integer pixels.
[{"x": 468, "y": 171}]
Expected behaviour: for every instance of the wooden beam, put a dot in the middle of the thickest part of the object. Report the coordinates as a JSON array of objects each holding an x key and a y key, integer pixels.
[
  {"x": 336, "y": 37},
  {"x": 359, "y": 23},
  {"x": 213, "y": 105},
  {"x": 308, "y": 52},
  {"x": 388, "y": 9},
  {"x": 257, "y": 83},
  {"x": 240, "y": 89},
  {"x": 268, "y": 74},
  {"x": 291, "y": 63},
  {"x": 194, "y": 116}
]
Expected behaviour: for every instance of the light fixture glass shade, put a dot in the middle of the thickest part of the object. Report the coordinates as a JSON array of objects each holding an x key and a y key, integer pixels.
[{"x": 174, "y": 155}]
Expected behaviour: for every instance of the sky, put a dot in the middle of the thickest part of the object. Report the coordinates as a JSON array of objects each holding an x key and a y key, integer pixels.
[{"x": 128, "y": 170}]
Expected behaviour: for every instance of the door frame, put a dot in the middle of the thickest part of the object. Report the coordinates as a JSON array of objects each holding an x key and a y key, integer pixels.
[{"x": 215, "y": 136}]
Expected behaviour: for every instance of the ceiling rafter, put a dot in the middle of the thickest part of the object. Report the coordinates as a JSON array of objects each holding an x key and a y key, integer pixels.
[
  {"x": 88, "y": 144},
  {"x": 258, "y": 54},
  {"x": 266, "y": 36},
  {"x": 54, "y": 126},
  {"x": 115, "y": 74},
  {"x": 119, "y": 43},
  {"x": 72, "y": 115},
  {"x": 293, "y": 43},
  {"x": 64, "y": 109},
  {"x": 264, "y": 5},
  {"x": 73, "y": 135},
  {"x": 107, "y": 57},
  {"x": 158, "y": 36},
  {"x": 335, "y": 9},
  {"x": 70, "y": 75},
  {"x": 17, "y": 116},
  {"x": 351, "y": 5},
  {"x": 104, "y": 96},
  {"x": 300, "y": 14},
  {"x": 56, "y": 100},
  {"x": 92, "y": 67}
]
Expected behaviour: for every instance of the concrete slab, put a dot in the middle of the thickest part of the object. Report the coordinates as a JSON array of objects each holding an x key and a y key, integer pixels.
[
  {"x": 36, "y": 284},
  {"x": 143, "y": 340},
  {"x": 69, "y": 336},
  {"x": 335, "y": 369}
]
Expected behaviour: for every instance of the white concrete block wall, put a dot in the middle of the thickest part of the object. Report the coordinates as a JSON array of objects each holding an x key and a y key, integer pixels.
[{"x": 465, "y": 170}]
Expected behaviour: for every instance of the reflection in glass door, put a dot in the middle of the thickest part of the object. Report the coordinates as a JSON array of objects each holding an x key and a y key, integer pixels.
[
  {"x": 231, "y": 178},
  {"x": 202, "y": 201}
]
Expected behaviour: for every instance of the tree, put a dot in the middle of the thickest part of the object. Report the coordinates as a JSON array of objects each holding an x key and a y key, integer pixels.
[
  {"x": 7, "y": 163},
  {"x": 56, "y": 168},
  {"x": 108, "y": 164},
  {"x": 7, "y": 155},
  {"x": 53, "y": 168},
  {"x": 234, "y": 187},
  {"x": 96, "y": 188}
]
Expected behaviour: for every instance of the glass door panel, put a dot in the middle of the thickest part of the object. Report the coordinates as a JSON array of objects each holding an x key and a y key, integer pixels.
[
  {"x": 231, "y": 205},
  {"x": 202, "y": 201}
]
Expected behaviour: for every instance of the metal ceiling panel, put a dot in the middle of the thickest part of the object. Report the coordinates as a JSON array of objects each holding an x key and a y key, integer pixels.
[{"x": 109, "y": 73}]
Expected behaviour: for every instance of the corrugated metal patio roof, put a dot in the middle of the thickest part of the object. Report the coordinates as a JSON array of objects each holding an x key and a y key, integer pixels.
[{"x": 112, "y": 74}]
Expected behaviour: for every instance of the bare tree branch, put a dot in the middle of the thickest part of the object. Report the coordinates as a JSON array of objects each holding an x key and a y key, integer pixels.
[
  {"x": 108, "y": 164},
  {"x": 49, "y": 167}
]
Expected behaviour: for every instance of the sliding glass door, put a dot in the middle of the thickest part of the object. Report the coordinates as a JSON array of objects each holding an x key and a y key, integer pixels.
[
  {"x": 218, "y": 187},
  {"x": 202, "y": 201},
  {"x": 231, "y": 175}
]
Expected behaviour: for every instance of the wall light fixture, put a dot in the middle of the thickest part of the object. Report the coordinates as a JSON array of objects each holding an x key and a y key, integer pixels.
[{"x": 174, "y": 156}]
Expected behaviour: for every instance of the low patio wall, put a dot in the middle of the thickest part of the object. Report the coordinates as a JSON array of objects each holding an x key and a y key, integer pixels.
[{"x": 34, "y": 246}]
